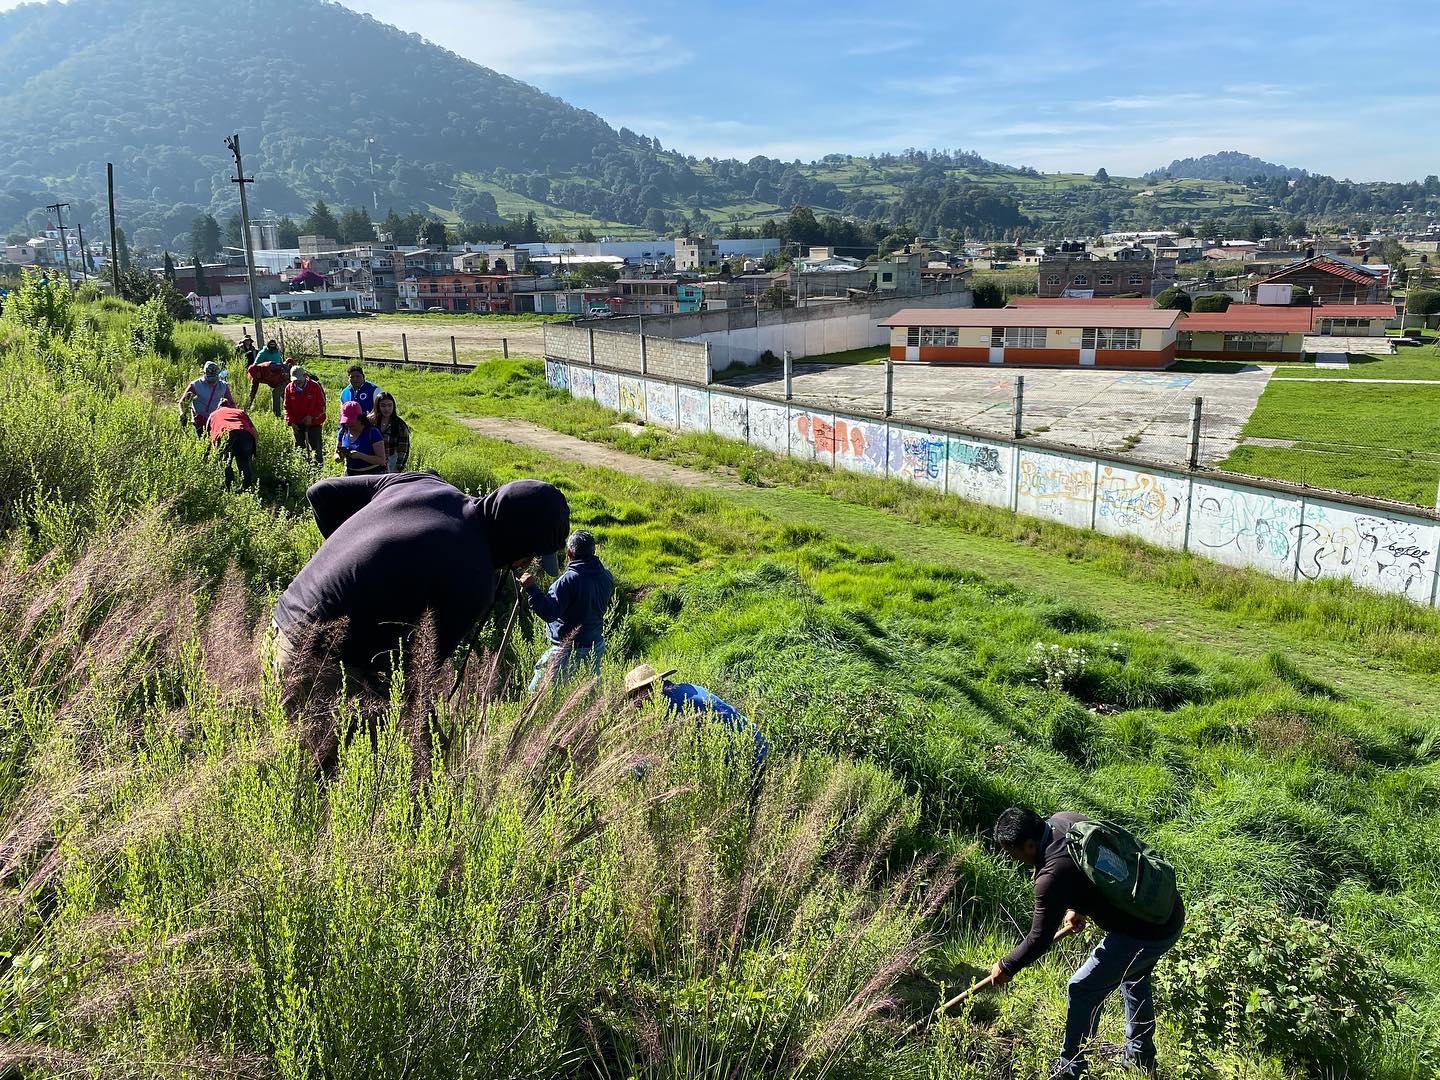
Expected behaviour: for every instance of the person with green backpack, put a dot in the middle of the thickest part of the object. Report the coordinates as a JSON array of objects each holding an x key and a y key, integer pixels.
[{"x": 1095, "y": 870}]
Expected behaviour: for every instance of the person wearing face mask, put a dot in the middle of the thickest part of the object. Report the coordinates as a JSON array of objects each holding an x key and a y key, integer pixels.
[{"x": 204, "y": 396}]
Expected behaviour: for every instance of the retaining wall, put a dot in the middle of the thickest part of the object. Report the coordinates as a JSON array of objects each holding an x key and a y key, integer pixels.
[
  {"x": 1289, "y": 532},
  {"x": 741, "y": 334}
]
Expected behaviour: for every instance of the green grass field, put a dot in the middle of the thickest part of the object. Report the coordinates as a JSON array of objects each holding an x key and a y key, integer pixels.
[
  {"x": 186, "y": 898},
  {"x": 1364, "y": 438}
]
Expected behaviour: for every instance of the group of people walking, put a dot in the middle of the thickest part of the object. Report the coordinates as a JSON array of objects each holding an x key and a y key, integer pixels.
[{"x": 371, "y": 437}]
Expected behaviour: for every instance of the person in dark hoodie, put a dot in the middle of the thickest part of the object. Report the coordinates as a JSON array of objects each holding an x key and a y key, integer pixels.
[
  {"x": 574, "y": 612},
  {"x": 399, "y": 545}
]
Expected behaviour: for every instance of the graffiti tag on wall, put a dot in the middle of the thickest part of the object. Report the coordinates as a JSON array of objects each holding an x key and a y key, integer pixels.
[
  {"x": 728, "y": 417},
  {"x": 582, "y": 382},
  {"x": 694, "y": 409},
  {"x": 557, "y": 374},
  {"x": 1393, "y": 556},
  {"x": 769, "y": 426},
  {"x": 1055, "y": 487},
  {"x": 917, "y": 456},
  {"x": 632, "y": 397},
  {"x": 859, "y": 446},
  {"x": 1245, "y": 528},
  {"x": 660, "y": 403},
  {"x": 607, "y": 390},
  {"x": 978, "y": 471}
]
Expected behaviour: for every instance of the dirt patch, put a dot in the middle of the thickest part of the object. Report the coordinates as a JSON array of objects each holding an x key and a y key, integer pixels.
[
  {"x": 569, "y": 448},
  {"x": 426, "y": 339}
]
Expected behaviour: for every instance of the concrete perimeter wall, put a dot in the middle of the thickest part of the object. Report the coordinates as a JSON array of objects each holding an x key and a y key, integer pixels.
[
  {"x": 658, "y": 356},
  {"x": 1290, "y": 533},
  {"x": 742, "y": 335}
]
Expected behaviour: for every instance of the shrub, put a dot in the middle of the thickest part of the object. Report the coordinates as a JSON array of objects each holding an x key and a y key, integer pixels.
[
  {"x": 154, "y": 329},
  {"x": 42, "y": 305},
  {"x": 1173, "y": 298},
  {"x": 1287, "y": 986},
  {"x": 1423, "y": 302},
  {"x": 1211, "y": 302}
]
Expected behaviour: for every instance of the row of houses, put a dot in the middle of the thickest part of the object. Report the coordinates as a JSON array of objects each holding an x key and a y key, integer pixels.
[{"x": 1128, "y": 333}]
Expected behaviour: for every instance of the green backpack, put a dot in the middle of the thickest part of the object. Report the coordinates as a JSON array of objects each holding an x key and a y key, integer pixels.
[{"x": 1133, "y": 876}]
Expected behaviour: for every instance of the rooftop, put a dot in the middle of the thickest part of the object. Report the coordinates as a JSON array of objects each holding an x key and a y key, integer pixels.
[
  {"x": 1070, "y": 301},
  {"x": 1264, "y": 318},
  {"x": 1075, "y": 314}
]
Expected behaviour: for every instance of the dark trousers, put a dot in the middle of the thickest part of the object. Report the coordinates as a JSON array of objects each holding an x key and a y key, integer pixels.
[
  {"x": 239, "y": 452},
  {"x": 308, "y": 436}
]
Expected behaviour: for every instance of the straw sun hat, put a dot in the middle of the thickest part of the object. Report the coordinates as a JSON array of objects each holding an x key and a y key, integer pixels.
[{"x": 639, "y": 678}]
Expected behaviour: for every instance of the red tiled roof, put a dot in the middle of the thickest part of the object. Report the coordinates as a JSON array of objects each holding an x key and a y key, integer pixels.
[
  {"x": 1071, "y": 301},
  {"x": 1267, "y": 319},
  {"x": 1260, "y": 318},
  {"x": 1076, "y": 314},
  {"x": 1355, "y": 311},
  {"x": 1328, "y": 266}
]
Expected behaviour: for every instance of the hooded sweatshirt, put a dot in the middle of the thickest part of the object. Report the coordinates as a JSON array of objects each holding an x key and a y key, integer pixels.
[
  {"x": 576, "y": 603},
  {"x": 399, "y": 544}
]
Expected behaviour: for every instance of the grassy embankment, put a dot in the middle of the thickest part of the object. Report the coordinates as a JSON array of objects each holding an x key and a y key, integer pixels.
[{"x": 187, "y": 897}]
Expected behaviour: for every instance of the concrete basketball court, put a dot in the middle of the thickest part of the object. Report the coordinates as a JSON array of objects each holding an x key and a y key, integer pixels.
[{"x": 1143, "y": 413}]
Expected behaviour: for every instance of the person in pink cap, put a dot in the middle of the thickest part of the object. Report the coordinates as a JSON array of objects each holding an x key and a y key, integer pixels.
[{"x": 359, "y": 443}]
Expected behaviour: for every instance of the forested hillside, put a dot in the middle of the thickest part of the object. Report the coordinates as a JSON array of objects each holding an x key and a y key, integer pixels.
[
  {"x": 1226, "y": 165},
  {"x": 383, "y": 119}
]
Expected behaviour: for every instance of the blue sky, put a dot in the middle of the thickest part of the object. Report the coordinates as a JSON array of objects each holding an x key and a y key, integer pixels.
[{"x": 1331, "y": 87}]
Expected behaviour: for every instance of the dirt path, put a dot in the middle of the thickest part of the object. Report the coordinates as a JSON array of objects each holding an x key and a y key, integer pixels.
[
  {"x": 569, "y": 448},
  {"x": 1138, "y": 603}
]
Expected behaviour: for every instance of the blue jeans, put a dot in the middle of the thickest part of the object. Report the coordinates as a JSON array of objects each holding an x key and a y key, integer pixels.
[
  {"x": 1118, "y": 961},
  {"x": 568, "y": 660}
]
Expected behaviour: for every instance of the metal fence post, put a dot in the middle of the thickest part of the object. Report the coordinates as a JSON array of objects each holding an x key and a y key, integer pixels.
[
  {"x": 592, "y": 346},
  {"x": 505, "y": 348},
  {"x": 320, "y": 342},
  {"x": 889, "y": 388},
  {"x": 1018, "y": 407},
  {"x": 644, "y": 357},
  {"x": 709, "y": 368},
  {"x": 454, "y": 357},
  {"x": 789, "y": 375},
  {"x": 404, "y": 348},
  {"x": 360, "y": 346},
  {"x": 1192, "y": 456}
]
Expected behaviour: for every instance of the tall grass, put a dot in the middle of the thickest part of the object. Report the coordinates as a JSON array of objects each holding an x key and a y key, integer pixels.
[{"x": 517, "y": 897}]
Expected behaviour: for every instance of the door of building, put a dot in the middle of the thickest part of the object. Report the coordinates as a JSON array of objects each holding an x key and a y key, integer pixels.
[{"x": 1087, "y": 348}]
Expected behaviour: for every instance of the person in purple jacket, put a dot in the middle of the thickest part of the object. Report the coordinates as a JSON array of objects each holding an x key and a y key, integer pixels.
[
  {"x": 1124, "y": 959},
  {"x": 574, "y": 612}
]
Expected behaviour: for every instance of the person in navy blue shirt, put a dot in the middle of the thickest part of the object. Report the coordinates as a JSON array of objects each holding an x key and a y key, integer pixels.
[
  {"x": 574, "y": 612},
  {"x": 687, "y": 697},
  {"x": 360, "y": 389},
  {"x": 359, "y": 443}
]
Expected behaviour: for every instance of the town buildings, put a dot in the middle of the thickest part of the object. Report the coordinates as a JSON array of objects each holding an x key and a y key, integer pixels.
[
  {"x": 1332, "y": 280},
  {"x": 696, "y": 253},
  {"x": 1081, "y": 275}
]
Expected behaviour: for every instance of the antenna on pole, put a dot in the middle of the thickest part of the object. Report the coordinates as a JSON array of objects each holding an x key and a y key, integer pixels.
[
  {"x": 59, "y": 207},
  {"x": 233, "y": 145}
]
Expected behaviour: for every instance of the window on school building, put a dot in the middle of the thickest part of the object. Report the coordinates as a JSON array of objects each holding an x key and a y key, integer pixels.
[
  {"x": 1102, "y": 338},
  {"x": 1107, "y": 279},
  {"x": 1053, "y": 279},
  {"x": 1254, "y": 342},
  {"x": 932, "y": 335},
  {"x": 1136, "y": 279},
  {"x": 1080, "y": 279},
  {"x": 1018, "y": 337},
  {"x": 1348, "y": 324}
]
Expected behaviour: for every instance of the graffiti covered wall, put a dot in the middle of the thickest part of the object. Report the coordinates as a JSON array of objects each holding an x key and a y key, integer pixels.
[
  {"x": 1055, "y": 486},
  {"x": 1150, "y": 505},
  {"x": 1283, "y": 533},
  {"x": 979, "y": 471},
  {"x": 1244, "y": 528}
]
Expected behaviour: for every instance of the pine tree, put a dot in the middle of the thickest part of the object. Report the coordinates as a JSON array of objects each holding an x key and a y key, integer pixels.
[
  {"x": 122, "y": 250},
  {"x": 321, "y": 222},
  {"x": 202, "y": 287},
  {"x": 169, "y": 269},
  {"x": 205, "y": 236}
]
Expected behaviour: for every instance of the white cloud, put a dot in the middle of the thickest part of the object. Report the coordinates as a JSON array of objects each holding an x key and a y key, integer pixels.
[{"x": 534, "y": 42}]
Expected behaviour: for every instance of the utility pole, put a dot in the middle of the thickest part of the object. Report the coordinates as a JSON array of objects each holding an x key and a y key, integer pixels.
[
  {"x": 233, "y": 145},
  {"x": 59, "y": 209},
  {"x": 80, "y": 239},
  {"x": 114, "y": 237}
]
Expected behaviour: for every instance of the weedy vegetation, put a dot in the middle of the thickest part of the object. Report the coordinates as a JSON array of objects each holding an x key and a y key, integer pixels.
[{"x": 489, "y": 886}]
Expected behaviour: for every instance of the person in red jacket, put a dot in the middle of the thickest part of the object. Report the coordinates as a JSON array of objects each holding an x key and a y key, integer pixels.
[
  {"x": 305, "y": 410},
  {"x": 232, "y": 433}
]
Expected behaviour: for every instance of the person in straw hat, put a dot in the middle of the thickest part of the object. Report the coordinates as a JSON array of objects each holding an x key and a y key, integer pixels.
[{"x": 643, "y": 682}]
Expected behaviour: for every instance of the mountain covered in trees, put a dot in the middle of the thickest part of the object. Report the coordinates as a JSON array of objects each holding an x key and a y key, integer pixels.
[
  {"x": 1226, "y": 165},
  {"x": 383, "y": 125}
]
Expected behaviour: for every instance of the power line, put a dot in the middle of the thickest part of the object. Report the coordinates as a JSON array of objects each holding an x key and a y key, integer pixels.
[{"x": 64, "y": 247}]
